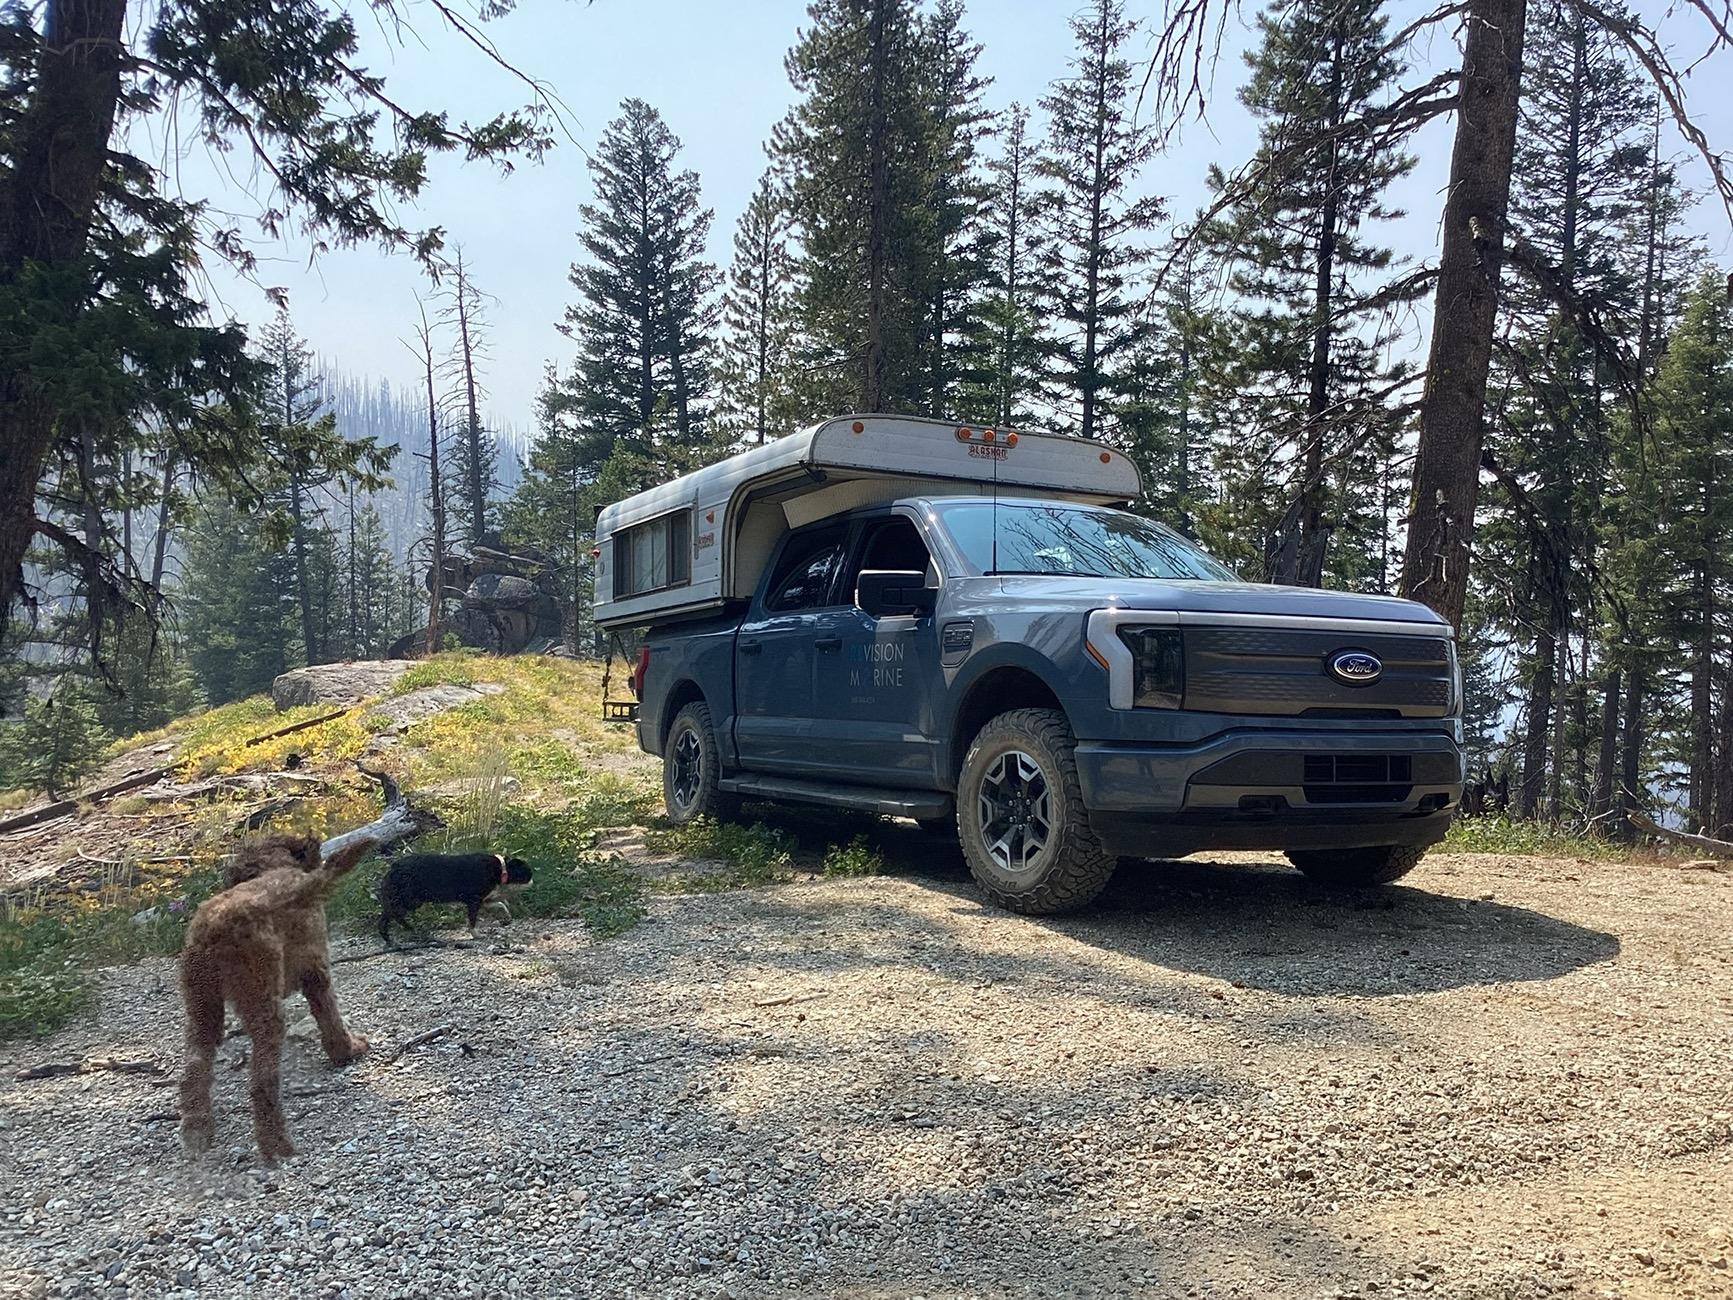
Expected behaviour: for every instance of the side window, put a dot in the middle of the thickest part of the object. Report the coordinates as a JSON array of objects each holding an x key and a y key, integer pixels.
[
  {"x": 806, "y": 571},
  {"x": 653, "y": 555},
  {"x": 893, "y": 544}
]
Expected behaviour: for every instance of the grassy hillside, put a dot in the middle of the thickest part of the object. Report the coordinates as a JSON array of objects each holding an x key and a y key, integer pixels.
[{"x": 527, "y": 769}]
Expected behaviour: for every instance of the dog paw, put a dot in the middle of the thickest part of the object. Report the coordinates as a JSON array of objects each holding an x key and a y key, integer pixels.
[
  {"x": 356, "y": 1047},
  {"x": 274, "y": 1147},
  {"x": 196, "y": 1137}
]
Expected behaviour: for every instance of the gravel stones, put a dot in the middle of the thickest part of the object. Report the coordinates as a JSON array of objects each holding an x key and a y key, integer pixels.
[{"x": 1221, "y": 1082}]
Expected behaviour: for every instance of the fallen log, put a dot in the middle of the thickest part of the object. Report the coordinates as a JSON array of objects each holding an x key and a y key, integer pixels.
[
  {"x": 1722, "y": 849},
  {"x": 399, "y": 821}
]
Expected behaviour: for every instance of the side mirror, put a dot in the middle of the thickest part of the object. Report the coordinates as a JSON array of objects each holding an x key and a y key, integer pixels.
[{"x": 886, "y": 593}]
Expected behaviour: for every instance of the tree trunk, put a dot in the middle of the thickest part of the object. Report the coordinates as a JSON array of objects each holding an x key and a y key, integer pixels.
[
  {"x": 1601, "y": 802},
  {"x": 472, "y": 429},
  {"x": 1308, "y": 554},
  {"x": 1452, "y": 416},
  {"x": 48, "y": 195},
  {"x": 1631, "y": 754},
  {"x": 1538, "y": 724}
]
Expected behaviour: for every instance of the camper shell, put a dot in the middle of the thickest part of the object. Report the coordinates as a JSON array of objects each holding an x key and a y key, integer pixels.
[{"x": 694, "y": 544}]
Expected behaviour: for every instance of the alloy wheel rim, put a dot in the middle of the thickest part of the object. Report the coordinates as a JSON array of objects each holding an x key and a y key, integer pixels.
[
  {"x": 688, "y": 768},
  {"x": 1015, "y": 805}
]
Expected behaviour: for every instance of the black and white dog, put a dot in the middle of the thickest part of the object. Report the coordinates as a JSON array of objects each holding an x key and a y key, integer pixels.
[{"x": 468, "y": 878}]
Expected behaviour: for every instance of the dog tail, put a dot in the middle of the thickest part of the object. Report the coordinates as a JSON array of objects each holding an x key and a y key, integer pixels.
[{"x": 316, "y": 884}]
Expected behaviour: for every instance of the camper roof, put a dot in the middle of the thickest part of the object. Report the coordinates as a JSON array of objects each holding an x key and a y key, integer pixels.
[
  {"x": 724, "y": 519},
  {"x": 898, "y": 446}
]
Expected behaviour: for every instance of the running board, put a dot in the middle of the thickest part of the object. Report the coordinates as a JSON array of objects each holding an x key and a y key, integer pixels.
[{"x": 863, "y": 798}]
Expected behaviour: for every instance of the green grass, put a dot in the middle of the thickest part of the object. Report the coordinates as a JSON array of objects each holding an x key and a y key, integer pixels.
[
  {"x": 856, "y": 858},
  {"x": 1527, "y": 838},
  {"x": 48, "y": 957},
  {"x": 756, "y": 854}
]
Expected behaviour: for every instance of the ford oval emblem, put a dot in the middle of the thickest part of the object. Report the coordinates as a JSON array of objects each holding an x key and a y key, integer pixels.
[{"x": 1355, "y": 667}]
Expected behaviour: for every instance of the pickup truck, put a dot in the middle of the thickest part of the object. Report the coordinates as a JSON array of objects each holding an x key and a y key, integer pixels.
[{"x": 1059, "y": 683}]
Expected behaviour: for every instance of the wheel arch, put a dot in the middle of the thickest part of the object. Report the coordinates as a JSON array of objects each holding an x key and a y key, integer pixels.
[
  {"x": 683, "y": 692},
  {"x": 992, "y": 690}
]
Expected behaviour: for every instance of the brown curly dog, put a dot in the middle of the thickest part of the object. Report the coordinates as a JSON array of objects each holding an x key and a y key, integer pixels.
[{"x": 251, "y": 945}]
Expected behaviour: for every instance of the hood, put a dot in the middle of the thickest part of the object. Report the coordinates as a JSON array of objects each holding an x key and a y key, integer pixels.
[{"x": 1218, "y": 598}]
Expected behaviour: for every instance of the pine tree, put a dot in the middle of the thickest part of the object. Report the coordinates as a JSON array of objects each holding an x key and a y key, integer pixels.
[
  {"x": 1582, "y": 165},
  {"x": 1013, "y": 314},
  {"x": 58, "y": 740},
  {"x": 755, "y": 393},
  {"x": 1693, "y": 436},
  {"x": 1096, "y": 149},
  {"x": 296, "y": 431},
  {"x": 554, "y": 507},
  {"x": 1165, "y": 416},
  {"x": 645, "y": 312},
  {"x": 952, "y": 337},
  {"x": 1316, "y": 293},
  {"x": 238, "y": 603},
  {"x": 854, "y": 150},
  {"x": 476, "y": 459}
]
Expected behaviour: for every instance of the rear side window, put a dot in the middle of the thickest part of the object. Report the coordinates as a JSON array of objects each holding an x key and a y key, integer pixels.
[
  {"x": 806, "y": 571},
  {"x": 653, "y": 556}
]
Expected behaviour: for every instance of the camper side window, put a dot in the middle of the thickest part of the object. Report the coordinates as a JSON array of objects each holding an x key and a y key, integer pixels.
[{"x": 653, "y": 556}]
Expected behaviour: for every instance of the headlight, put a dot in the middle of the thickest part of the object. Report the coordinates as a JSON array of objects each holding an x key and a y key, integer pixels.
[
  {"x": 1455, "y": 709},
  {"x": 1158, "y": 666}
]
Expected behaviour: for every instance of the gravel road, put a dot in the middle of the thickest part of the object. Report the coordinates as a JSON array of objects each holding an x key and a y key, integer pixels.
[{"x": 1510, "y": 1078}]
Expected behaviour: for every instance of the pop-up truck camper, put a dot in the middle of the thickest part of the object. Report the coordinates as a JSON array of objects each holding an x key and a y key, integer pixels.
[{"x": 962, "y": 625}]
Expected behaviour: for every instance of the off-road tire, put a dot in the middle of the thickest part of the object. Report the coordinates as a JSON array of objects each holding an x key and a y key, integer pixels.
[
  {"x": 692, "y": 729},
  {"x": 1358, "y": 867},
  {"x": 1071, "y": 868}
]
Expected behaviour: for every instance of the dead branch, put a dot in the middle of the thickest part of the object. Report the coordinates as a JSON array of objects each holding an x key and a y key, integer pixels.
[
  {"x": 788, "y": 1001},
  {"x": 90, "y": 1065},
  {"x": 417, "y": 1041},
  {"x": 1722, "y": 849}
]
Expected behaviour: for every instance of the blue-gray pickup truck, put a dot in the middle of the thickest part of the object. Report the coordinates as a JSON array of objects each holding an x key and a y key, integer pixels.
[{"x": 1063, "y": 683}]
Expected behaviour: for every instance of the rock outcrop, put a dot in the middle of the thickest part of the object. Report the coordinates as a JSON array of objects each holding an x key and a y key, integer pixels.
[
  {"x": 340, "y": 683},
  {"x": 504, "y": 602}
]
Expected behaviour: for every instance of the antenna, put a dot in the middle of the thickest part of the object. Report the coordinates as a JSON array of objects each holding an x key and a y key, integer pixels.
[{"x": 995, "y": 464}]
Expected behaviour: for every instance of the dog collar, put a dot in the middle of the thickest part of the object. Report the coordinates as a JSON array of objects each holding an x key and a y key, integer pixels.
[{"x": 504, "y": 877}]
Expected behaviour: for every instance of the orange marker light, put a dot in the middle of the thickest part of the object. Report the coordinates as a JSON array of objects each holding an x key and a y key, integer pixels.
[
  {"x": 858, "y": 427},
  {"x": 962, "y": 435},
  {"x": 1010, "y": 440},
  {"x": 1105, "y": 458},
  {"x": 988, "y": 436}
]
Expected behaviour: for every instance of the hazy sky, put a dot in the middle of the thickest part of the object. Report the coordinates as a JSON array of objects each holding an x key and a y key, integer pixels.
[{"x": 714, "y": 69}]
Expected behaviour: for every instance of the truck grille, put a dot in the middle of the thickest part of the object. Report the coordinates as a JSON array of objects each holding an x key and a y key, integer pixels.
[{"x": 1278, "y": 671}]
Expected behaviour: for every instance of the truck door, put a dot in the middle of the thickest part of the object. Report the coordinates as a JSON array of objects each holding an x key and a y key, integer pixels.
[
  {"x": 874, "y": 678},
  {"x": 773, "y": 654}
]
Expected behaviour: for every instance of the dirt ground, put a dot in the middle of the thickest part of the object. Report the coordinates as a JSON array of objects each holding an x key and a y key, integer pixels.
[{"x": 1508, "y": 1077}]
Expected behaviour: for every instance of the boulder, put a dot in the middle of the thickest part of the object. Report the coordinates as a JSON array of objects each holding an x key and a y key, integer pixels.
[{"x": 339, "y": 683}]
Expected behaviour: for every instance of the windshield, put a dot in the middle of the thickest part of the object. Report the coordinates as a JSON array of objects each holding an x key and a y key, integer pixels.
[{"x": 1074, "y": 540}]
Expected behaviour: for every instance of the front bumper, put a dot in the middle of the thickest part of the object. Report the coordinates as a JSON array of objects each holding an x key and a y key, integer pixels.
[{"x": 1261, "y": 789}]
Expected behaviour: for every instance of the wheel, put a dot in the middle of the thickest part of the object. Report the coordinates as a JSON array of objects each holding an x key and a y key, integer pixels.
[
  {"x": 1377, "y": 866},
  {"x": 1024, "y": 830},
  {"x": 691, "y": 768}
]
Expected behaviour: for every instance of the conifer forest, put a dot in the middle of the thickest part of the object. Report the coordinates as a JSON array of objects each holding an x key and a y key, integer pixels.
[{"x": 1528, "y": 425}]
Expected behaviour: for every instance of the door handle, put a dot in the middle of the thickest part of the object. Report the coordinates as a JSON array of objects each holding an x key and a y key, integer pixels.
[
  {"x": 828, "y": 643},
  {"x": 751, "y": 647}
]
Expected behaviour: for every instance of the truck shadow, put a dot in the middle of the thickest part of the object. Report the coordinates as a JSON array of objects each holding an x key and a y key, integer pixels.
[
  {"x": 1262, "y": 924},
  {"x": 1265, "y": 926}
]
